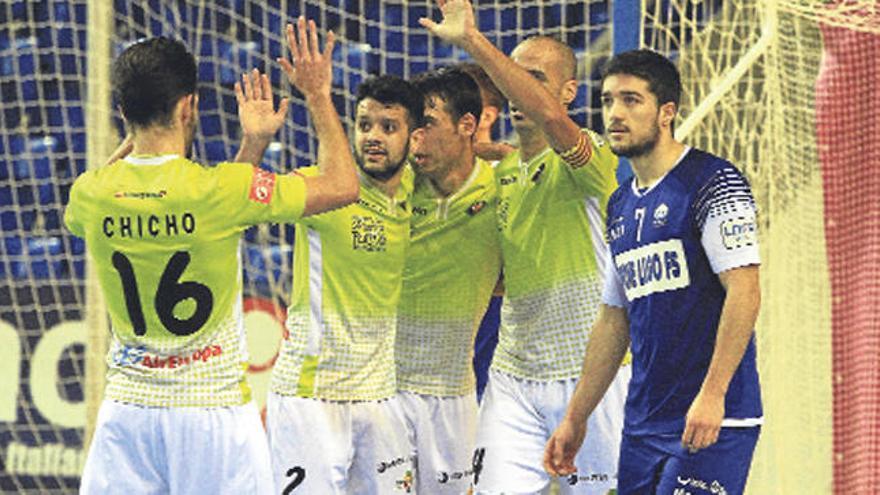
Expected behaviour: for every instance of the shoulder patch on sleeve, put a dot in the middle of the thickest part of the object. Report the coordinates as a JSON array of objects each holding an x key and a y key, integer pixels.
[{"x": 262, "y": 186}]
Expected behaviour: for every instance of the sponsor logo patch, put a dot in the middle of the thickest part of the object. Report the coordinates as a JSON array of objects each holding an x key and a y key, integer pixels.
[
  {"x": 739, "y": 232},
  {"x": 368, "y": 234},
  {"x": 656, "y": 267},
  {"x": 715, "y": 487},
  {"x": 262, "y": 186},
  {"x": 140, "y": 195}
]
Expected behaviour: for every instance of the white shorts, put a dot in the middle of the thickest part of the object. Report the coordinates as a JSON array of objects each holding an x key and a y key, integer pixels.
[
  {"x": 163, "y": 450},
  {"x": 332, "y": 447},
  {"x": 445, "y": 429},
  {"x": 517, "y": 418}
]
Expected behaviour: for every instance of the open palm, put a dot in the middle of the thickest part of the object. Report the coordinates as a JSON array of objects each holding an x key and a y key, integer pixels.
[
  {"x": 458, "y": 21},
  {"x": 256, "y": 111},
  {"x": 309, "y": 69}
]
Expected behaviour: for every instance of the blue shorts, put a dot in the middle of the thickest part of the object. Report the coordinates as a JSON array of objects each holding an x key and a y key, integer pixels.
[{"x": 658, "y": 464}]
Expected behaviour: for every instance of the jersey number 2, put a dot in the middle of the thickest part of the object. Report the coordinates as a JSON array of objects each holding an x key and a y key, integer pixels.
[{"x": 170, "y": 292}]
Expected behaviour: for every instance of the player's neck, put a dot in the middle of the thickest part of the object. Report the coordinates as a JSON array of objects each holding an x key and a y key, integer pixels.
[
  {"x": 531, "y": 143},
  {"x": 456, "y": 177},
  {"x": 651, "y": 167},
  {"x": 159, "y": 140}
]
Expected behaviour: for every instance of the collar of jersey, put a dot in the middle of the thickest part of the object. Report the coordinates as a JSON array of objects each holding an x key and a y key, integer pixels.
[
  {"x": 478, "y": 167},
  {"x": 535, "y": 159},
  {"x": 150, "y": 159},
  {"x": 403, "y": 189},
  {"x": 644, "y": 193}
]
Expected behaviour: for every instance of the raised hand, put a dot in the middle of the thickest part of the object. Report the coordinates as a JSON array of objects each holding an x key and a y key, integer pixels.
[
  {"x": 309, "y": 69},
  {"x": 256, "y": 112},
  {"x": 458, "y": 22}
]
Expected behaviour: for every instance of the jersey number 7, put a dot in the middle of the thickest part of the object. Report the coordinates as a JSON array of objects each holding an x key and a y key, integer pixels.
[{"x": 170, "y": 292}]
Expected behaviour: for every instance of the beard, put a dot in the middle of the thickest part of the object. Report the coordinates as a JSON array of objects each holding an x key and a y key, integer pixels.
[
  {"x": 386, "y": 172},
  {"x": 640, "y": 148}
]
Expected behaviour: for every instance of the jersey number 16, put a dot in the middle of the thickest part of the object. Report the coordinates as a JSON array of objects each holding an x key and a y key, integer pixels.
[{"x": 170, "y": 292}]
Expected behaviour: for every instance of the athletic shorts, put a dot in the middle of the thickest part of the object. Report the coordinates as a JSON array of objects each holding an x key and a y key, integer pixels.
[
  {"x": 659, "y": 464},
  {"x": 517, "y": 418},
  {"x": 445, "y": 429},
  {"x": 331, "y": 447},
  {"x": 163, "y": 450}
]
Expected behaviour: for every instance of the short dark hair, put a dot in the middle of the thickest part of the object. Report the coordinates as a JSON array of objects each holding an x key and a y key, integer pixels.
[
  {"x": 390, "y": 90},
  {"x": 660, "y": 73},
  {"x": 492, "y": 96},
  {"x": 455, "y": 87},
  {"x": 150, "y": 77}
]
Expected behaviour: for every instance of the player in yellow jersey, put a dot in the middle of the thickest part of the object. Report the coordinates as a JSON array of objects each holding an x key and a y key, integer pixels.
[
  {"x": 334, "y": 423},
  {"x": 553, "y": 192},
  {"x": 451, "y": 268},
  {"x": 163, "y": 232}
]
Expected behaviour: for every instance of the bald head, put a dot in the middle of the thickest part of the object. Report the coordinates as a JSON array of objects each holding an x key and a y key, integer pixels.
[{"x": 559, "y": 55}]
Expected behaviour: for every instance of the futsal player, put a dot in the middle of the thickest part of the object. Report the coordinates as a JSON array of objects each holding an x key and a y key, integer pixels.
[
  {"x": 553, "y": 192},
  {"x": 683, "y": 290},
  {"x": 334, "y": 423},
  {"x": 451, "y": 268},
  {"x": 163, "y": 233}
]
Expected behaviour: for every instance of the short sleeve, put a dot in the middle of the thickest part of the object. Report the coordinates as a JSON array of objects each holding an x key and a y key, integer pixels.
[
  {"x": 598, "y": 178},
  {"x": 612, "y": 290},
  {"x": 257, "y": 196},
  {"x": 727, "y": 219},
  {"x": 73, "y": 211}
]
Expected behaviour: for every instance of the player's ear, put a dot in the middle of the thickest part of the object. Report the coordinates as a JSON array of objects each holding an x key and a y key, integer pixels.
[
  {"x": 667, "y": 114},
  {"x": 569, "y": 91},
  {"x": 186, "y": 107},
  {"x": 467, "y": 124}
]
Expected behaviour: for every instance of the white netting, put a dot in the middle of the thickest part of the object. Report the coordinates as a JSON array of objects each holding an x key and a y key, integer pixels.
[
  {"x": 785, "y": 73},
  {"x": 46, "y": 69}
]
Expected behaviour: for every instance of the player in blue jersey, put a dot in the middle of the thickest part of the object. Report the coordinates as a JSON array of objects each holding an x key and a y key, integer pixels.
[{"x": 683, "y": 291}]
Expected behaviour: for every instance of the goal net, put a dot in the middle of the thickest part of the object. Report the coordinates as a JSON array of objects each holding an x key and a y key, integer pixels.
[
  {"x": 778, "y": 87},
  {"x": 57, "y": 121}
]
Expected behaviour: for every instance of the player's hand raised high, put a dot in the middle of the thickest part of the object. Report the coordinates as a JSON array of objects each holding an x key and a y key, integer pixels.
[
  {"x": 256, "y": 111},
  {"x": 458, "y": 22},
  {"x": 309, "y": 69}
]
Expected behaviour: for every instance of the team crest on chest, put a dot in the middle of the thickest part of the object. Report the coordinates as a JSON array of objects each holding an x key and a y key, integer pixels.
[
  {"x": 661, "y": 213},
  {"x": 476, "y": 207}
]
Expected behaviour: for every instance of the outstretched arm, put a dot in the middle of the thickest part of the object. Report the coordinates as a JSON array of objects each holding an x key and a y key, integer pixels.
[
  {"x": 608, "y": 343},
  {"x": 258, "y": 116},
  {"x": 310, "y": 70},
  {"x": 519, "y": 86}
]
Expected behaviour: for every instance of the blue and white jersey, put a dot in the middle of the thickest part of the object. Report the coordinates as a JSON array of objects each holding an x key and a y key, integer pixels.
[{"x": 668, "y": 244}]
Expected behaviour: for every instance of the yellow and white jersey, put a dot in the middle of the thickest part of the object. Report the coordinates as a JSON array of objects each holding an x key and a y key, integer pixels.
[
  {"x": 348, "y": 265},
  {"x": 452, "y": 266},
  {"x": 163, "y": 233},
  {"x": 551, "y": 218}
]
